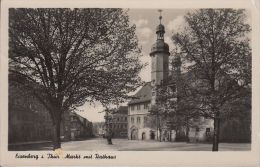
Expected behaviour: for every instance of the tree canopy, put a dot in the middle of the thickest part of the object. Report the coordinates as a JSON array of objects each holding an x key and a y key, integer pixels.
[
  {"x": 77, "y": 55},
  {"x": 215, "y": 45},
  {"x": 74, "y": 55}
]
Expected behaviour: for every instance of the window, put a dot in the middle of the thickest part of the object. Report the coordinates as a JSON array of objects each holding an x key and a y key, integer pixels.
[
  {"x": 197, "y": 129},
  {"x": 146, "y": 106},
  {"x": 138, "y": 120},
  {"x": 125, "y": 118},
  {"x": 145, "y": 119},
  {"x": 138, "y": 107},
  {"x": 132, "y": 119},
  {"x": 132, "y": 107}
]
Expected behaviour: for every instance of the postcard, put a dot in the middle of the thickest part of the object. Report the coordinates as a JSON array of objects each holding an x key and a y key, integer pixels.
[{"x": 130, "y": 83}]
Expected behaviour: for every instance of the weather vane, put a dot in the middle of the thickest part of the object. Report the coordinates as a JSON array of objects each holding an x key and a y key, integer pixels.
[{"x": 160, "y": 17}]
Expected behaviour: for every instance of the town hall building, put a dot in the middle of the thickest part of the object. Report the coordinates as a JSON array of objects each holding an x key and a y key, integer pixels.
[{"x": 142, "y": 125}]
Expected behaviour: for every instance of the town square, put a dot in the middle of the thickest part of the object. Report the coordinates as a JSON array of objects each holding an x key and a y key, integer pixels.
[{"x": 113, "y": 79}]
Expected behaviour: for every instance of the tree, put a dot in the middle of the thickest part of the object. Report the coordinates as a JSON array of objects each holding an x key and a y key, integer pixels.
[
  {"x": 74, "y": 56},
  {"x": 215, "y": 44},
  {"x": 174, "y": 100}
]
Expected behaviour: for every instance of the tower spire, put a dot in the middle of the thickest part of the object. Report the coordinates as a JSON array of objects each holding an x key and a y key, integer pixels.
[
  {"x": 160, "y": 17},
  {"x": 160, "y": 28}
]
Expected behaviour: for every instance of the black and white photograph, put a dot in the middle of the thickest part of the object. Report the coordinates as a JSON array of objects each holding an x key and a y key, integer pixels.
[
  {"x": 130, "y": 83},
  {"x": 84, "y": 79}
]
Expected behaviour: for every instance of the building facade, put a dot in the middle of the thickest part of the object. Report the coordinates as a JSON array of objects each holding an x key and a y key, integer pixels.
[
  {"x": 118, "y": 123},
  {"x": 99, "y": 129},
  {"x": 28, "y": 120},
  {"x": 76, "y": 127},
  {"x": 141, "y": 125}
]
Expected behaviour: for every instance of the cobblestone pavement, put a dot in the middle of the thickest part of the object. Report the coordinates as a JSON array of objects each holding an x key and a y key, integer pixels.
[{"x": 100, "y": 144}]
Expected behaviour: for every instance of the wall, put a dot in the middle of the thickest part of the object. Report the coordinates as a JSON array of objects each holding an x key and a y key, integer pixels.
[
  {"x": 28, "y": 120},
  {"x": 119, "y": 125}
]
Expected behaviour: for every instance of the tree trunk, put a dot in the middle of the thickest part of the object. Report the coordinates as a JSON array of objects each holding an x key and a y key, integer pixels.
[
  {"x": 170, "y": 140},
  {"x": 160, "y": 134},
  {"x": 187, "y": 133},
  {"x": 187, "y": 130},
  {"x": 56, "y": 134},
  {"x": 216, "y": 133}
]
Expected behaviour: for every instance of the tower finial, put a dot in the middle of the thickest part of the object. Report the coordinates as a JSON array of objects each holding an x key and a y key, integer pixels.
[{"x": 160, "y": 17}]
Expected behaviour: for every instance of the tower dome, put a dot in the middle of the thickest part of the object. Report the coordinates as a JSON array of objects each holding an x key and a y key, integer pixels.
[
  {"x": 160, "y": 28},
  {"x": 160, "y": 45}
]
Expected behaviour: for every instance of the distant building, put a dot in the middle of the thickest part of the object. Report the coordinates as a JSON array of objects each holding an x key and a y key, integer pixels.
[
  {"x": 99, "y": 129},
  {"x": 118, "y": 122},
  {"x": 76, "y": 127}
]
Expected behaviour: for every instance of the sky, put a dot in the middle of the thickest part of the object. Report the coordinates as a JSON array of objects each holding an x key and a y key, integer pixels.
[{"x": 146, "y": 21}]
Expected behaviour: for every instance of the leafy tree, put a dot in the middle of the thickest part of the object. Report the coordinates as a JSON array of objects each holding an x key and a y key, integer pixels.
[
  {"x": 74, "y": 56},
  {"x": 174, "y": 101},
  {"x": 215, "y": 44}
]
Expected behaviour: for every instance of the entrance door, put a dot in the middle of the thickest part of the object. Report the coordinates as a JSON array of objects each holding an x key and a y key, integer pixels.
[
  {"x": 152, "y": 135},
  {"x": 134, "y": 134},
  {"x": 143, "y": 136}
]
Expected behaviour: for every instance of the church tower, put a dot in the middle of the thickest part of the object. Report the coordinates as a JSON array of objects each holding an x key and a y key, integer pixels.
[{"x": 159, "y": 60}]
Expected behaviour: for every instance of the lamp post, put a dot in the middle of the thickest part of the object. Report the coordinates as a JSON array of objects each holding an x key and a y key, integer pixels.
[{"x": 108, "y": 119}]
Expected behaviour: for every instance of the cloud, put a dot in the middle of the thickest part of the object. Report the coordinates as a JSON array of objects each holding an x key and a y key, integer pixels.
[
  {"x": 140, "y": 22},
  {"x": 144, "y": 32},
  {"x": 146, "y": 72},
  {"x": 93, "y": 112},
  {"x": 177, "y": 24},
  {"x": 248, "y": 19},
  {"x": 144, "y": 35},
  {"x": 168, "y": 40}
]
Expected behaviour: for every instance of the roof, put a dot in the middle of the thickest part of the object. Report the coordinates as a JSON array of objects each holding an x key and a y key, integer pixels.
[
  {"x": 160, "y": 46},
  {"x": 72, "y": 113},
  {"x": 121, "y": 110},
  {"x": 143, "y": 95}
]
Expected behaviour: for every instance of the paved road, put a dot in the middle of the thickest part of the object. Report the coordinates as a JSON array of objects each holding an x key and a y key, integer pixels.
[{"x": 100, "y": 144}]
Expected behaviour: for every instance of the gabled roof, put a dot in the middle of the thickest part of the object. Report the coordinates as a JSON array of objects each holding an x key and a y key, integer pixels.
[
  {"x": 120, "y": 110},
  {"x": 143, "y": 95},
  {"x": 72, "y": 113}
]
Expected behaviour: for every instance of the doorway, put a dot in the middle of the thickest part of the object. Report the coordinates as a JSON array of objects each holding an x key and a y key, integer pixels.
[
  {"x": 143, "y": 136},
  {"x": 152, "y": 135},
  {"x": 134, "y": 134}
]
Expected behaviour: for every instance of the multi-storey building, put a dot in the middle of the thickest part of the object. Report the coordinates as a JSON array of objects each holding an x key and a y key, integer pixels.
[
  {"x": 99, "y": 129},
  {"x": 28, "y": 120},
  {"x": 75, "y": 127},
  {"x": 118, "y": 123}
]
